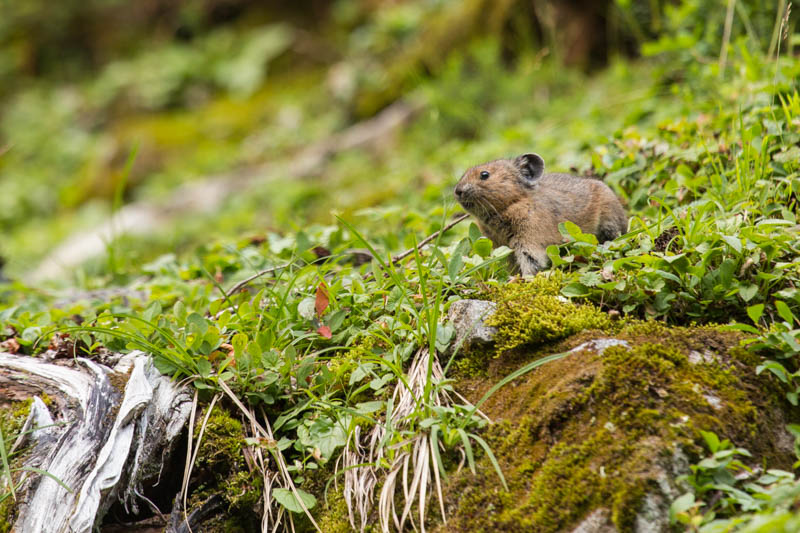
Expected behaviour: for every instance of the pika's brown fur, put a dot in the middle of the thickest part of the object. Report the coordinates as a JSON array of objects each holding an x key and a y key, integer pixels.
[{"x": 519, "y": 206}]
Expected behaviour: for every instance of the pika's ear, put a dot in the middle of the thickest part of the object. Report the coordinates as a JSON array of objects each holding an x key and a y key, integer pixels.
[{"x": 531, "y": 166}]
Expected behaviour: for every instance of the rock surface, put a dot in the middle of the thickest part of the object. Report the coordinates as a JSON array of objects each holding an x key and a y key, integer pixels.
[
  {"x": 594, "y": 442},
  {"x": 469, "y": 320}
]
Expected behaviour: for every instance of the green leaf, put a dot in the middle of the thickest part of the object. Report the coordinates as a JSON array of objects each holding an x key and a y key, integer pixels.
[
  {"x": 712, "y": 441},
  {"x": 327, "y": 435},
  {"x": 747, "y": 292},
  {"x": 474, "y": 232},
  {"x": 733, "y": 242},
  {"x": 668, "y": 275},
  {"x": 203, "y": 367},
  {"x": 755, "y": 312},
  {"x": 791, "y": 155},
  {"x": 444, "y": 335},
  {"x": 739, "y": 327},
  {"x": 467, "y": 449},
  {"x": 726, "y": 273},
  {"x": 270, "y": 359},
  {"x": 792, "y": 396},
  {"x": 456, "y": 264},
  {"x": 302, "y": 241},
  {"x": 153, "y": 310},
  {"x": 179, "y": 310},
  {"x": 427, "y": 423},
  {"x": 681, "y": 505},
  {"x": 239, "y": 343},
  {"x": 776, "y": 368},
  {"x": 590, "y": 279},
  {"x": 31, "y": 334},
  {"x": 336, "y": 320},
  {"x": 365, "y": 408},
  {"x": 555, "y": 256},
  {"x": 289, "y": 500},
  {"x": 492, "y": 458},
  {"x": 774, "y": 222},
  {"x": 569, "y": 229},
  {"x": 197, "y": 324},
  {"x": 575, "y": 290},
  {"x": 379, "y": 383},
  {"x": 437, "y": 458},
  {"x": 573, "y": 232},
  {"x": 785, "y": 312},
  {"x": 482, "y": 247},
  {"x": 306, "y": 307},
  {"x": 164, "y": 365},
  {"x": 363, "y": 370}
]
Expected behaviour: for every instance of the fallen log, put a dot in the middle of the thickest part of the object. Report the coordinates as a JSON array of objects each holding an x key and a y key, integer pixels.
[{"x": 108, "y": 429}]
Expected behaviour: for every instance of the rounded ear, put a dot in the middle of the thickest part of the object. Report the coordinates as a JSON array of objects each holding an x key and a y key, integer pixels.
[{"x": 531, "y": 166}]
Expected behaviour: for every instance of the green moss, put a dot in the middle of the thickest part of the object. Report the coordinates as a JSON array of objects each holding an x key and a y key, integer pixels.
[
  {"x": 471, "y": 363},
  {"x": 221, "y": 469},
  {"x": 564, "y": 488},
  {"x": 6, "y": 513},
  {"x": 533, "y": 313},
  {"x": 333, "y": 517},
  {"x": 599, "y": 431},
  {"x": 223, "y": 442},
  {"x": 12, "y": 419},
  {"x": 243, "y": 490}
]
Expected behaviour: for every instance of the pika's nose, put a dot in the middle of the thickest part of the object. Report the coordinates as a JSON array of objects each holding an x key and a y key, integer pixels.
[{"x": 461, "y": 189}]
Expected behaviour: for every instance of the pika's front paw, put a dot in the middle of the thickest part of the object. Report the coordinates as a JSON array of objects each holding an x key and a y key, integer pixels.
[{"x": 530, "y": 261}]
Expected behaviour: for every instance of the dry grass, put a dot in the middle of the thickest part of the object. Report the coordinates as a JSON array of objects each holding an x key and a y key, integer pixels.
[{"x": 412, "y": 464}]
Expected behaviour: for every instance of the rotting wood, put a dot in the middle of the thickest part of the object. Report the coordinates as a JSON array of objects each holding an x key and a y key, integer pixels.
[{"x": 108, "y": 431}]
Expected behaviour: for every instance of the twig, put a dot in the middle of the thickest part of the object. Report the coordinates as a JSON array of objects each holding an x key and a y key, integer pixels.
[
  {"x": 256, "y": 276},
  {"x": 396, "y": 259},
  {"x": 429, "y": 238},
  {"x": 399, "y": 257}
]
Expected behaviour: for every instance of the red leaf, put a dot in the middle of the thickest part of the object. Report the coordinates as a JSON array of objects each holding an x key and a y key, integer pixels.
[
  {"x": 321, "y": 303},
  {"x": 325, "y": 331}
]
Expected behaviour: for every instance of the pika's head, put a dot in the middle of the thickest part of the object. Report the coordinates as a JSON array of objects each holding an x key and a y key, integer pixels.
[{"x": 491, "y": 187}]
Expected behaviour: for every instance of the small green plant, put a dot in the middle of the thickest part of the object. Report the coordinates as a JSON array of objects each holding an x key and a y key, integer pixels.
[
  {"x": 781, "y": 343},
  {"x": 727, "y": 495},
  {"x": 713, "y": 478},
  {"x": 8, "y": 485}
]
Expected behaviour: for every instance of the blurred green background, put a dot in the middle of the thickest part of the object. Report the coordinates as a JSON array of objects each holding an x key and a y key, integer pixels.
[{"x": 111, "y": 107}]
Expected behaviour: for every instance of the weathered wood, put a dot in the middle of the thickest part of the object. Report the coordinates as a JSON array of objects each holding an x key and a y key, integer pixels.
[{"x": 108, "y": 431}]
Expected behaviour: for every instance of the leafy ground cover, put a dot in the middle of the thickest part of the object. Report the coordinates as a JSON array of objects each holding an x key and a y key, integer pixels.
[{"x": 315, "y": 350}]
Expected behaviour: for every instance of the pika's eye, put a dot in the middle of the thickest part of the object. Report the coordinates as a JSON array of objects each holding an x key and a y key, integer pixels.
[{"x": 485, "y": 175}]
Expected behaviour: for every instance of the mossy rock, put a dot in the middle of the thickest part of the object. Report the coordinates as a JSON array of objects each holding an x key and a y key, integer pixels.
[
  {"x": 534, "y": 312},
  {"x": 597, "y": 440}
]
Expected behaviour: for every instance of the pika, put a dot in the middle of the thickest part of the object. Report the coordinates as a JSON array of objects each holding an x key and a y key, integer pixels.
[{"x": 519, "y": 206}]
